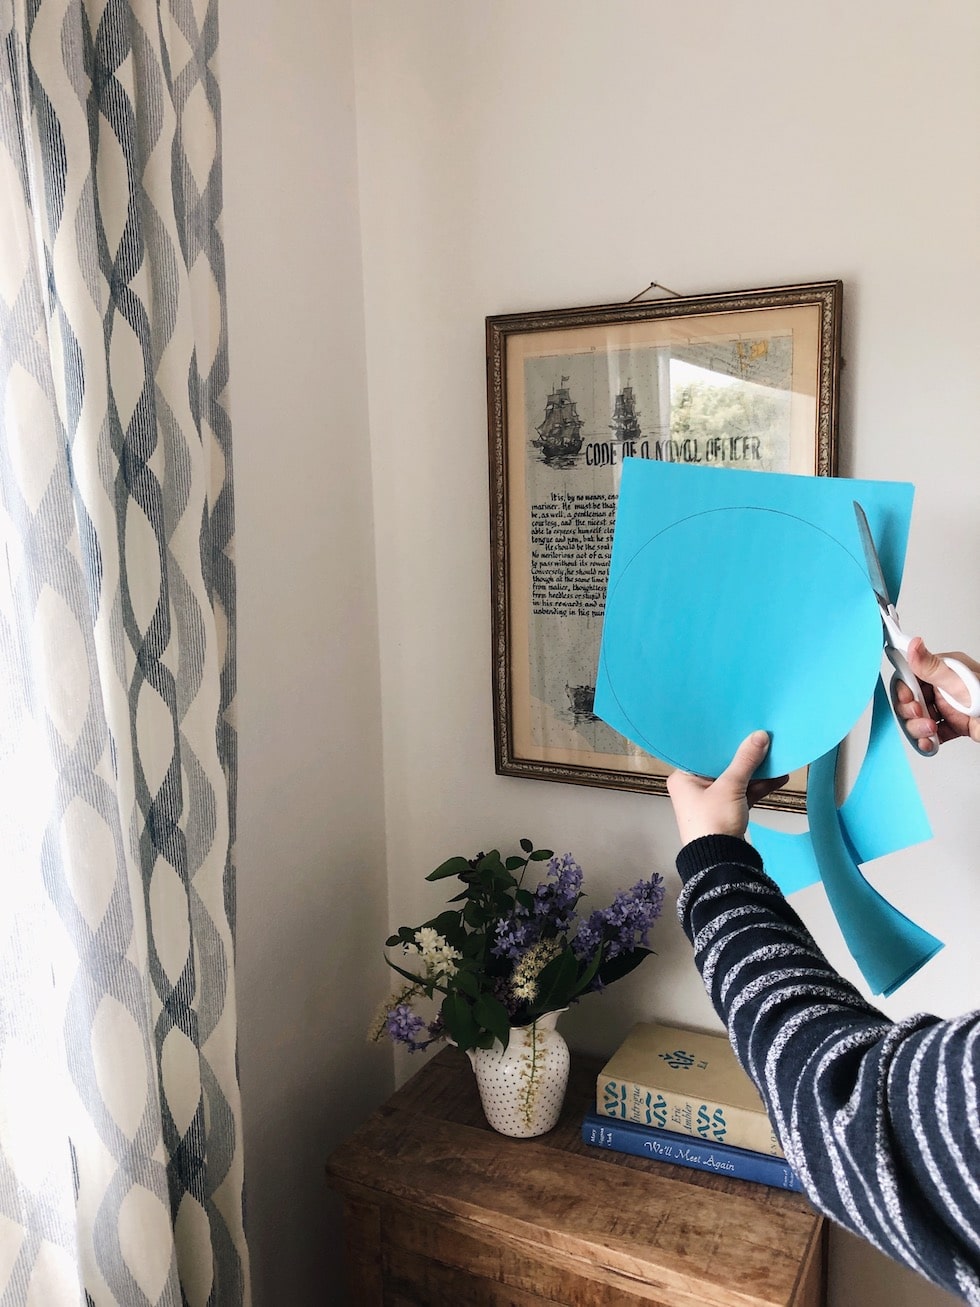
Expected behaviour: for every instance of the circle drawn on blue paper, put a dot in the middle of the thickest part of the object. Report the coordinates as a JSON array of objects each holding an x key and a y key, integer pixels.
[{"x": 766, "y": 622}]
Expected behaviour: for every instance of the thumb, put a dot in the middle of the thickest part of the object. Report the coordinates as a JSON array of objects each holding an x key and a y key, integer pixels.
[
  {"x": 924, "y": 664},
  {"x": 748, "y": 757},
  {"x": 933, "y": 669}
]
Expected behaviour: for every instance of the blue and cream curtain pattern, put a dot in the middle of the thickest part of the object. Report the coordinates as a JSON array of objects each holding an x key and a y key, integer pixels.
[{"x": 121, "y": 1170}]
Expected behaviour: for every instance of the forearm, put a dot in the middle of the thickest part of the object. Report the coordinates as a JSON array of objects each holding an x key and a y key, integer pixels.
[
  {"x": 760, "y": 965},
  {"x": 831, "y": 1067}
]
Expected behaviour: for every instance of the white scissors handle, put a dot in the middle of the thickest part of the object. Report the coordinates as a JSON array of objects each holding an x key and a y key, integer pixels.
[
  {"x": 897, "y": 646},
  {"x": 972, "y": 683},
  {"x": 905, "y": 675}
]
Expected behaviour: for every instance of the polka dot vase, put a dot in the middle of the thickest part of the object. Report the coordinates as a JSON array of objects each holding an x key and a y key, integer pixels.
[{"x": 522, "y": 1087}]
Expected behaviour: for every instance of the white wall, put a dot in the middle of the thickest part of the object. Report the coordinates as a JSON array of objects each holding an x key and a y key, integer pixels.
[
  {"x": 312, "y": 888},
  {"x": 520, "y": 155}
]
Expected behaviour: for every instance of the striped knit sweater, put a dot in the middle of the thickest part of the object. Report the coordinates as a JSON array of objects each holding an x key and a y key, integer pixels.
[{"x": 878, "y": 1118}]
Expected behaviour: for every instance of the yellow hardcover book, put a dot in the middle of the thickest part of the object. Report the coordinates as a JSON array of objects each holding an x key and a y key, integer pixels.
[{"x": 687, "y": 1081}]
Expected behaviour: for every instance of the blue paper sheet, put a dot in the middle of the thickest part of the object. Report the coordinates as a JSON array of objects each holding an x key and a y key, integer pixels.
[{"x": 737, "y": 601}]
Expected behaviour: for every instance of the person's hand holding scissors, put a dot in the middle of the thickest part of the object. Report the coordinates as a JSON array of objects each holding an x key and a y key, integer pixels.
[
  {"x": 938, "y": 716},
  {"x": 925, "y": 720}
]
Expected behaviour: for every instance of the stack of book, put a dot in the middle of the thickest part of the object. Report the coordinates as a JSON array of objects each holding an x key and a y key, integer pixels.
[{"x": 680, "y": 1096}]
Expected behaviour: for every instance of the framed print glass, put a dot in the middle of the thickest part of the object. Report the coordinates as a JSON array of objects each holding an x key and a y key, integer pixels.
[{"x": 745, "y": 380}]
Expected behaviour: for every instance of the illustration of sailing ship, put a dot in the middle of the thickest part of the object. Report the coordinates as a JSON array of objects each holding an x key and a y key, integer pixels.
[
  {"x": 560, "y": 432},
  {"x": 582, "y": 700},
  {"x": 626, "y": 420}
]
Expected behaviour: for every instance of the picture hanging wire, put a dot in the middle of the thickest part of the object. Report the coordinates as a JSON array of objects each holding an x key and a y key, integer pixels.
[{"x": 655, "y": 285}]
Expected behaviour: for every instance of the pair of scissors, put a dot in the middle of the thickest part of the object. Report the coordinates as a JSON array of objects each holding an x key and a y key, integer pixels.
[{"x": 897, "y": 644}]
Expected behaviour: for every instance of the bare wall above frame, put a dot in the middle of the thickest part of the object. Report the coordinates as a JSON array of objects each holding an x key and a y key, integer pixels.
[{"x": 746, "y": 379}]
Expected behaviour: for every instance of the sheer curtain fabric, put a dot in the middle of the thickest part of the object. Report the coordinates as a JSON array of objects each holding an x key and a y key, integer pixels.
[{"x": 121, "y": 1170}]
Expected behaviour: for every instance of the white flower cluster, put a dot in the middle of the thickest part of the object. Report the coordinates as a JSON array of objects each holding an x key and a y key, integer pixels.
[
  {"x": 438, "y": 955},
  {"x": 524, "y": 981}
]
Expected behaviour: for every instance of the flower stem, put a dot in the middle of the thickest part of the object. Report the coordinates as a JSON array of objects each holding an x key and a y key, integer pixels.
[{"x": 528, "y": 1105}]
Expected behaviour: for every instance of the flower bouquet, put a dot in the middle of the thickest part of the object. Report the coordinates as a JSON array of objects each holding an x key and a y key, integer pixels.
[{"x": 505, "y": 953}]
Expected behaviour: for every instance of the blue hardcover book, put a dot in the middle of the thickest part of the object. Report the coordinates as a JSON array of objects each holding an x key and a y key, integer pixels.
[{"x": 669, "y": 1146}]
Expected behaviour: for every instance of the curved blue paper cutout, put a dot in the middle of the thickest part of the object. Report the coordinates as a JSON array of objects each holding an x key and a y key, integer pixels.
[
  {"x": 886, "y": 945},
  {"x": 882, "y": 814},
  {"x": 884, "y": 811},
  {"x": 789, "y": 857},
  {"x": 727, "y": 647}
]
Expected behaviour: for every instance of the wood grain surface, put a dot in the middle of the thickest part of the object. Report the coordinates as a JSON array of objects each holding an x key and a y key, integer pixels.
[{"x": 441, "y": 1211}]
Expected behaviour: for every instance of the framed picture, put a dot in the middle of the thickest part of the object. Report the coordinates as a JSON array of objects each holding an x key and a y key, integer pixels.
[{"x": 745, "y": 380}]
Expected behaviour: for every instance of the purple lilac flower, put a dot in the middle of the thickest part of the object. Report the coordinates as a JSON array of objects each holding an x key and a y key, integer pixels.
[
  {"x": 588, "y": 937},
  {"x": 552, "y": 913},
  {"x": 404, "y": 1025},
  {"x": 625, "y": 924},
  {"x": 514, "y": 936},
  {"x": 556, "y": 902},
  {"x": 502, "y": 991}
]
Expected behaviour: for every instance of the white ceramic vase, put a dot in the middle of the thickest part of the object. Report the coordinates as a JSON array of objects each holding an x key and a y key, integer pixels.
[{"x": 522, "y": 1087}]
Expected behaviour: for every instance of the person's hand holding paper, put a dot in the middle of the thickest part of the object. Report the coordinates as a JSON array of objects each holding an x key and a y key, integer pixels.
[{"x": 721, "y": 807}]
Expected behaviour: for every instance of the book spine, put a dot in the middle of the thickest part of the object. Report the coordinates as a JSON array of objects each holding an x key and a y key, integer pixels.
[
  {"x": 711, "y": 1123},
  {"x": 665, "y": 1146}
]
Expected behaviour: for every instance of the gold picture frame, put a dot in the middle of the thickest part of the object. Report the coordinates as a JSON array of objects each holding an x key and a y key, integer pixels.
[{"x": 745, "y": 379}]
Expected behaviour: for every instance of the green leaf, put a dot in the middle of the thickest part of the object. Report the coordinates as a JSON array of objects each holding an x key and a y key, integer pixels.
[
  {"x": 542, "y": 855},
  {"x": 618, "y": 967},
  {"x": 504, "y": 878},
  {"x": 406, "y": 935},
  {"x": 467, "y": 983},
  {"x": 500, "y": 905},
  {"x": 458, "y": 1017},
  {"x": 452, "y": 867},
  {"x": 556, "y": 983},
  {"x": 525, "y": 898},
  {"x": 445, "y": 923},
  {"x": 492, "y": 1014},
  {"x": 473, "y": 914},
  {"x": 513, "y": 862},
  {"x": 427, "y": 986},
  {"x": 526, "y": 845},
  {"x": 588, "y": 975}
]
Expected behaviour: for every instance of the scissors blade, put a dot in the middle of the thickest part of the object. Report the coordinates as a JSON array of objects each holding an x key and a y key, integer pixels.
[{"x": 872, "y": 562}]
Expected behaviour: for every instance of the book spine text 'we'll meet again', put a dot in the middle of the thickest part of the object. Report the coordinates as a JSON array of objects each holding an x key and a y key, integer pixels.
[{"x": 667, "y": 1146}]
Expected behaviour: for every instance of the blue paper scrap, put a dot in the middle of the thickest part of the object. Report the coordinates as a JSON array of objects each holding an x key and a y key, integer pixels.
[
  {"x": 884, "y": 785},
  {"x": 886, "y": 945}
]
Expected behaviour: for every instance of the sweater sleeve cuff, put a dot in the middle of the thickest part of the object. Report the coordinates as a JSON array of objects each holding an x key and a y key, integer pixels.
[{"x": 709, "y": 850}]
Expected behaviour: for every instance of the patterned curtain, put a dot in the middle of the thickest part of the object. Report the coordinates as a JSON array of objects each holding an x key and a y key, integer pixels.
[{"x": 121, "y": 1173}]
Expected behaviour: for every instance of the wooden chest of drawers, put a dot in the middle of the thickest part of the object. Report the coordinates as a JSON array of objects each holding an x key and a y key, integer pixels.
[{"x": 441, "y": 1211}]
